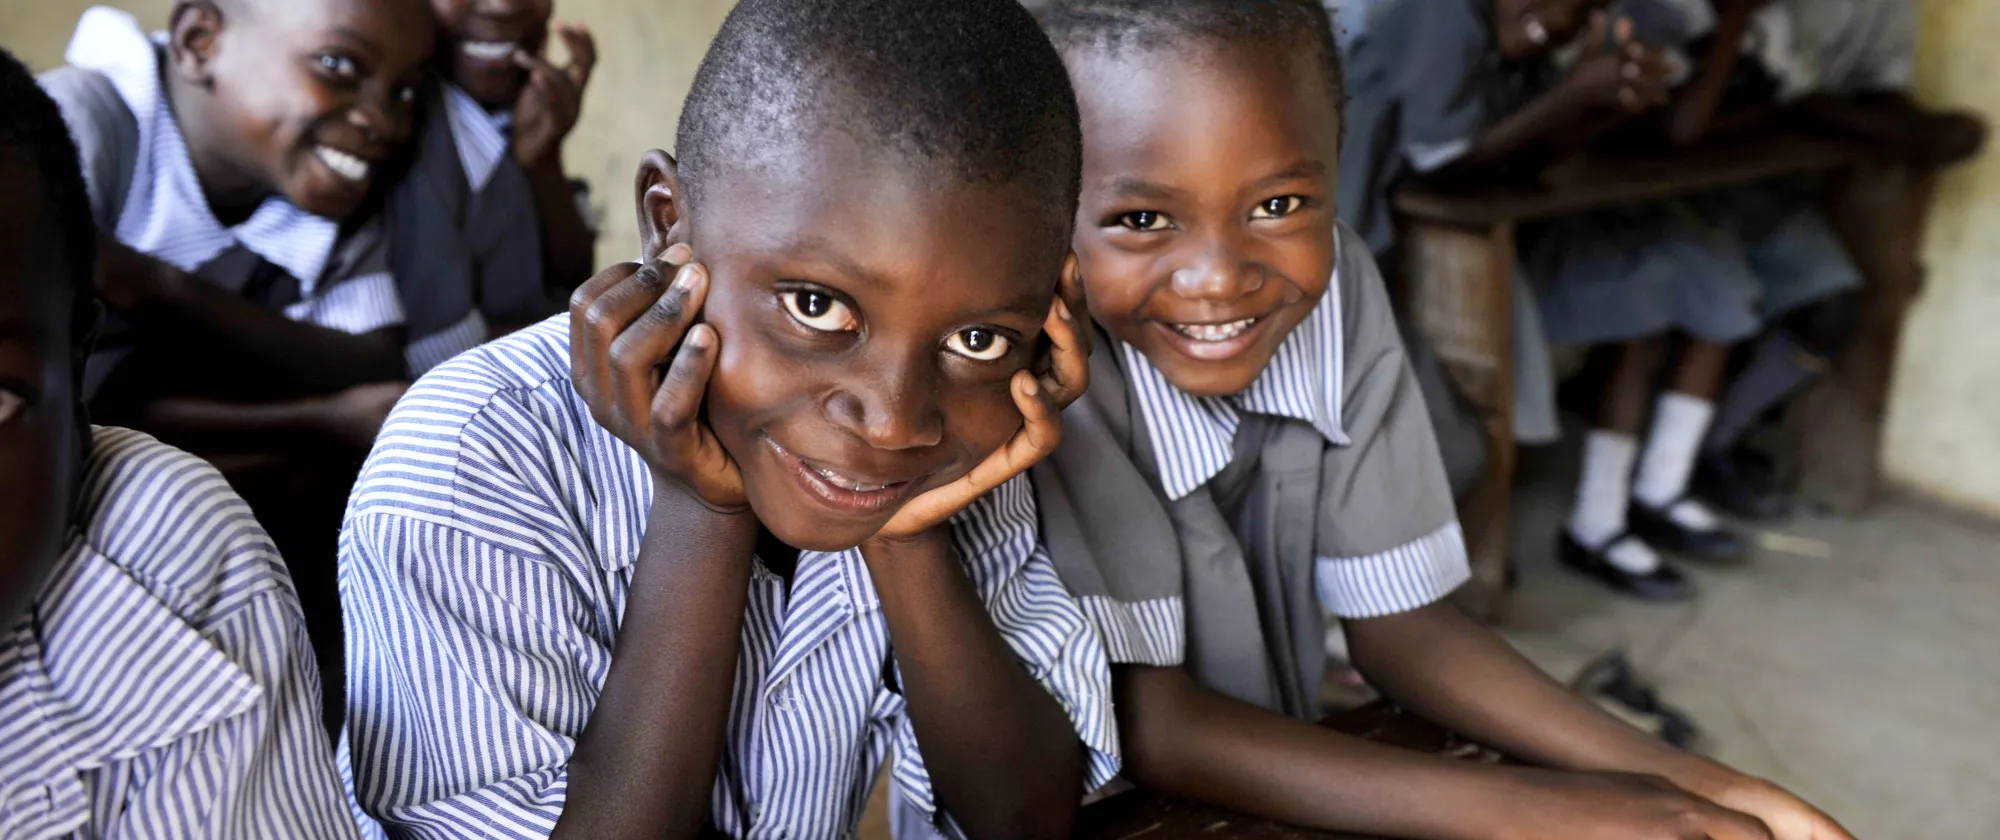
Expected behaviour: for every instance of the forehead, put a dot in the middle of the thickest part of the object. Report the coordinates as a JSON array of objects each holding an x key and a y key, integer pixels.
[
  {"x": 867, "y": 216},
  {"x": 1203, "y": 106},
  {"x": 382, "y": 24}
]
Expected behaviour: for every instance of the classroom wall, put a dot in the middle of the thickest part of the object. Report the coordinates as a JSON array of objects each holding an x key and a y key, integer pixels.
[
  {"x": 1943, "y": 435},
  {"x": 648, "y": 51}
]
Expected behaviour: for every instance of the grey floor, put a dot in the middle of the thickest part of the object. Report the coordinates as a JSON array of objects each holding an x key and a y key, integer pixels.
[{"x": 1855, "y": 661}]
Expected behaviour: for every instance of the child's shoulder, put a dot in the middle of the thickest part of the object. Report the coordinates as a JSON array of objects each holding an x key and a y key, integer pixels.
[{"x": 171, "y": 521}]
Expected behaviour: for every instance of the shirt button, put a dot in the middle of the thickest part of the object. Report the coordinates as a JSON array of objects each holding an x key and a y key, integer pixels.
[{"x": 781, "y": 696}]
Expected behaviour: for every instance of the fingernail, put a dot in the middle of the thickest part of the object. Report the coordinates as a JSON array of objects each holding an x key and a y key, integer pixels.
[
  {"x": 1030, "y": 388},
  {"x": 1062, "y": 308},
  {"x": 698, "y": 337},
  {"x": 678, "y": 252},
  {"x": 684, "y": 279}
]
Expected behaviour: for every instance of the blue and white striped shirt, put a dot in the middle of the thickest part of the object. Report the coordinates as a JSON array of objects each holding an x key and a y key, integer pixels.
[
  {"x": 1194, "y": 439},
  {"x": 480, "y": 136},
  {"x": 166, "y": 215},
  {"x": 162, "y": 684},
  {"x": 485, "y": 565}
]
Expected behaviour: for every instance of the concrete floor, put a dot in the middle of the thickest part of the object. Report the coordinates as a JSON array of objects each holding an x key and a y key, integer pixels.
[{"x": 1857, "y": 664}]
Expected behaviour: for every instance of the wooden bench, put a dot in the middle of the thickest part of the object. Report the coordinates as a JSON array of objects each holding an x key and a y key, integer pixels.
[
  {"x": 1456, "y": 280},
  {"x": 1149, "y": 814}
]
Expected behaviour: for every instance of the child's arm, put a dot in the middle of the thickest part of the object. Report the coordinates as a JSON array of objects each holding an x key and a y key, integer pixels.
[
  {"x": 547, "y": 111},
  {"x": 1694, "y": 109},
  {"x": 645, "y": 763},
  {"x": 311, "y": 359},
  {"x": 1002, "y": 755},
  {"x": 1183, "y": 738},
  {"x": 352, "y": 417}
]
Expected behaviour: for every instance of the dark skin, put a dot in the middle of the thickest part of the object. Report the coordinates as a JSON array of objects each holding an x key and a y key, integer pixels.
[
  {"x": 267, "y": 93},
  {"x": 545, "y": 100},
  {"x": 859, "y": 318},
  {"x": 44, "y": 431},
  {"x": 1161, "y": 203},
  {"x": 1615, "y": 78}
]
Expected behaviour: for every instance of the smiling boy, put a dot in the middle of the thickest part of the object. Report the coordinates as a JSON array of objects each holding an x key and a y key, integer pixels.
[
  {"x": 155, "y": 678},
  {"x": 486, "y": 234},
  {"x": 682, "y": 560},
  {"x": 1254, "y": 449}
]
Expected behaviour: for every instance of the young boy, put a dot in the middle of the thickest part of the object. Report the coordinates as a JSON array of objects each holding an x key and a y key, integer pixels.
[
  {"x": 155, "y": 678},
  {"x": 1253, "y": 438},
  {"x": 626, "y": 574},
  {"x": 485, "y": 232}
]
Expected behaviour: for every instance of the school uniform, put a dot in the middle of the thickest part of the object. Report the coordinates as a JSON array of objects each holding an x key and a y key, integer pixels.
[
  {"x": 161, "y": 684},
  {"x": 1215, "y": 532},
  {"x": 1424, "y": 79},
  {"x": 144, "y": 190},
  {"x": 465, "y": 239},
  {"x": 485, "y": 565}
]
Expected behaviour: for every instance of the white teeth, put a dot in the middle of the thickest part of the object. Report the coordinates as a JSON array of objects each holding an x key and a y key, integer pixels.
[
  {"x": 345, "y": 165},
  {"x": 489, "y": 50},
  {"x": 1214, "y": 332},
  {"x": 845, "y": 483}
]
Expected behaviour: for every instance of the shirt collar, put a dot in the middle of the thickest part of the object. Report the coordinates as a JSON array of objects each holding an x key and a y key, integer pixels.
[
  {"x": 1194, "y": 437},
  {"x": 166, "y": 214},
  {"x": 481, "y": 136},
  {"x": 99, "y": 671}
]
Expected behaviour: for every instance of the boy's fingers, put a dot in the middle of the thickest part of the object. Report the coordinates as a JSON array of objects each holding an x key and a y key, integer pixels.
[
  {"x": 586, "y": 344},
  {"x": 1723, "y": 824},
  {"x": 647, "y": 343},
  {"x": 1040, "y": 433},
  {"x": 1623, "y": 30},
  {"x": 582, "y": 51},
  {"x": 1070, "y": 288},
  {"x": 676, "y": 406},
  {"x": 1069, "y": 362}
]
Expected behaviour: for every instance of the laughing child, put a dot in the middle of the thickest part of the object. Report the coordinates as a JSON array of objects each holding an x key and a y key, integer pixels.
[
  {"x": 486, "y": 235},
  {"x": 1254, "y": 449},
  {"x": 155, "y": 678},
  {"x": 705, "y": 553}
]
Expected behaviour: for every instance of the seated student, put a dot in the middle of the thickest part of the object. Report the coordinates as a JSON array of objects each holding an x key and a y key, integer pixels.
[
  {"x": 1840, "y": 65},
  {"x": 485, "y": 233},
  {"x": 252, "y": 320},
  {"x": 155, "y": 678},
  {"x": 688, "y": 546},
  {"x": 1253, "y": 438}
]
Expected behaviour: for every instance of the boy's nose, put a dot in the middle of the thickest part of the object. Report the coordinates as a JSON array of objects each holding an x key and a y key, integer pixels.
[
  {"x": 381, "y": 118},
  {"x": 1217, "y": 271},
  {"x": 890, "y": 406}
]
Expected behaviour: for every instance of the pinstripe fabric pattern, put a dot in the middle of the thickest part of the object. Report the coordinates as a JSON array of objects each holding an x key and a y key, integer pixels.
[
  {"x": 163, "y": 685},
  {"x": 434, "y": 349},
  {"x": 481, "y": 137},
  {"x": 166, "y": 213},
  {"x": 484, "y": 569},
  {"x": 1194, "y": 439}
]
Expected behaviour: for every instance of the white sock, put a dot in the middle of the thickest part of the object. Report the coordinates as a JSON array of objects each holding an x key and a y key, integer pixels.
[
  {"x": 1679, "y": 424},
  {"x": 1602, "y": 495}
]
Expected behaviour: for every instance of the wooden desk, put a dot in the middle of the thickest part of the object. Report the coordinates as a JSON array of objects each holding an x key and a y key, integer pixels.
[
  {"x": 1152, "y": 815},
  {"x": 1457, "y": 275}
]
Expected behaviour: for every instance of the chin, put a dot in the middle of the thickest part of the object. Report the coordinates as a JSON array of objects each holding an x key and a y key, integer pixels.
[{"x": 799, "y": 528}]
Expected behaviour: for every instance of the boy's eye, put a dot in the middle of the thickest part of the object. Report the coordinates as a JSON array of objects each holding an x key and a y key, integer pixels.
[
  {"x": 979, "y": 343},
  {"x": 819, "y": 311},
  {"x": 11, "y": 406},
  {"x": 1277, "y": 208},
  {"x": 1144, "y": 220},
  {"x": 338, "y": 65},
  {"x": 406, "y": 94}
]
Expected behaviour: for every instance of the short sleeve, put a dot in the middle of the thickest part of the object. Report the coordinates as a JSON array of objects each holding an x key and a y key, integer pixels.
[
  {"x": 469, "y": 679},
  {"x": 1443, "y": 67},
  {"x": 1389, "y": 539},
  {"x": 1048, "y": 633}
]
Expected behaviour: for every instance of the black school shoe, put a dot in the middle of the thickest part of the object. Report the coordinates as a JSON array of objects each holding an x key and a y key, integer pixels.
[
  {"x": 1664, "y": 584},
  {"x": 1660, "y": 531}
]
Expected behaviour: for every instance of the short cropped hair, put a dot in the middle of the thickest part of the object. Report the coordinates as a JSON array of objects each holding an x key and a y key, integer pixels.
[
  {"x": 1117, "y": 25},
  {"x": 970, "y": 90},
  {"x": 31, "y": 122}
]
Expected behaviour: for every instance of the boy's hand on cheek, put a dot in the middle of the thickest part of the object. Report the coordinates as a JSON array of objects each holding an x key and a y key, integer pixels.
[
  {"x": 1041, "y": 399},
  {"x": 625, "y": 324},
  {"x": 553, "y": 98}
]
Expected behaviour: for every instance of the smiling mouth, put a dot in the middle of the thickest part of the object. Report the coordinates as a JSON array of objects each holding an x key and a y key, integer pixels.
[
  {"x": 1215, "y": 332},
  {"x": 343, "y": 164},
  {"x": 489, "y": 50},
  {"x": 838, "y": 490}
]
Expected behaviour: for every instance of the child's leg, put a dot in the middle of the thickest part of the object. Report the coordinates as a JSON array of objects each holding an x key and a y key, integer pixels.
[
  {"x": 1603, "y": 490},
  {"x": 1680, "y": 421}
]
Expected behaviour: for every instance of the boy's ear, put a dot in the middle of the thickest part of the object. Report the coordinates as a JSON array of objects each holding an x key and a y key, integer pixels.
[
  {"x": 193, "y": 34},
  {"x": 661, "y": 202}
]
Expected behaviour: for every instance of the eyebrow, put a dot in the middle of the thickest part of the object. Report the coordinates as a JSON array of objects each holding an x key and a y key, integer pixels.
[
  {"x": 1140, "y": 188},
  {"x": 1302, "y": 169}
]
